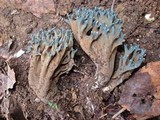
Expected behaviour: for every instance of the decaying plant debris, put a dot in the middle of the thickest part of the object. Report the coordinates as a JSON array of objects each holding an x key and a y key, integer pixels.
[
  {"x": 141, "y": 93},
  {"x": 52, "y": 56},
  {"x": 7, "y": 81}
]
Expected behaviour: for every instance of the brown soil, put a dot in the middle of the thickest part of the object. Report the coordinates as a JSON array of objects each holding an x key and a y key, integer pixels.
[{"x": 17, "y": 24}]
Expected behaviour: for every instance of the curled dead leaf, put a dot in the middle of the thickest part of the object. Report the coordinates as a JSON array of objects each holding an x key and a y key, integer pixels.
[
  {"x": 7, "y": 81},
  {"x": 141, "y": 93}
]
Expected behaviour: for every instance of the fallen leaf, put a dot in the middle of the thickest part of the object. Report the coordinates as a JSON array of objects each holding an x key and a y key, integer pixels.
[
  {"x": 11, "y": 77},
  {"x": 5, "y": 45},
  {"x": 37, "y": 7},
  {"x": 7, "y": 81},
  {"x": 141, "y": 93}
]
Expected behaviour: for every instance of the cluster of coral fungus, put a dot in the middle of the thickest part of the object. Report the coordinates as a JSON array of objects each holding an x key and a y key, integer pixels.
[{"x": 99, "y": 33}]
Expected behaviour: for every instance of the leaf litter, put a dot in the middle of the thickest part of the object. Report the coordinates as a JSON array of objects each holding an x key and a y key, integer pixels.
[
  {"x": 141, "y": 93},
  {"x": 7, "y": 81}
]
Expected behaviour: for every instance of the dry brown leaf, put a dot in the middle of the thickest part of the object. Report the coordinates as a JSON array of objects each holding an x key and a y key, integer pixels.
[
  {"x": 37, "y": 7},
  {"x": 141, "y": 93},
  {"x": 11, "y": 77},
  {"x": 7, "y": 81}
]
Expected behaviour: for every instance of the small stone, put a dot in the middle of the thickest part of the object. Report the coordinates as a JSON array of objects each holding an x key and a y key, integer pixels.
[
  {"x": 138, "y": 39},
  {"x": 149, "y": 18}
]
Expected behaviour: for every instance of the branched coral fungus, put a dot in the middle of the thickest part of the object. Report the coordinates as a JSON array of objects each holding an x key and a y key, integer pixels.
[
  {"x": 52, "y": 56},
  {"x": 131, "y": 59},
  {"x": 99, "y": 33}
]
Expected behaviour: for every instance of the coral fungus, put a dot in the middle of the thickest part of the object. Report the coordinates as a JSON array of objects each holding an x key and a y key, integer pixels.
[
  {"x": 52, "y": 56},
  {"x": 131, "y": 59},
  {"x": 99, "y": 33}
]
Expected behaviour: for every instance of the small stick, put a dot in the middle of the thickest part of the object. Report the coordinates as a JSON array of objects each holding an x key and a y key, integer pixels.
[
  {"x": 103, "y": 116},
  {"x": 118, "y": 113},
  {"x": 113, "y": 2}
]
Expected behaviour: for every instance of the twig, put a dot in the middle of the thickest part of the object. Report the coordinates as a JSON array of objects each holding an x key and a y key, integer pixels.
[
  {"x": 118, "y": 113},
  {"x": 103, "y": 115},
  {"x": 113, "y": 2}
]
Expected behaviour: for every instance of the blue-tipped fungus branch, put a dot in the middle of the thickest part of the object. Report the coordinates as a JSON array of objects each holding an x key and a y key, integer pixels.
[
  {"x": 52, "y": 56},
  {"x": 132, "y": 59},
  {"x": 99, "y": 33}
]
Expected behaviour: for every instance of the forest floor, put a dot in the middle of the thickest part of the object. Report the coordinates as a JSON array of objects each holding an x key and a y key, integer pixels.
[{"x": 19, "y": 19}]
